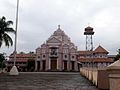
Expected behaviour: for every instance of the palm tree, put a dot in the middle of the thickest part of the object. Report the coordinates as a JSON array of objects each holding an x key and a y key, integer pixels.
[{"x": 4, "y": 30}]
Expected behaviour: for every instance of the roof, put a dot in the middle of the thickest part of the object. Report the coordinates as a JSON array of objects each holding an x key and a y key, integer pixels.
[
  {"x": 53, "y": 40},
  {"x": 100, "y": 49},
  {"x": 95, "y": 60},
  {"x": 88, "y": 28},
  {"x": 111, "y": 56},
  {"x": 23, "y": 55},
  {"x": 85, "y": 52}
]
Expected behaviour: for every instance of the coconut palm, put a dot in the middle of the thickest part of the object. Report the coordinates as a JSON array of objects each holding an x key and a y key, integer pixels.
[{"x": 5, "y": 29}]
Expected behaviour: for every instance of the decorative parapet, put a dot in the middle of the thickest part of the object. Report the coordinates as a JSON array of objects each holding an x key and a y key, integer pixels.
[
  {"x": 114, "y": 66},
  {"x": 114, "y": 80},
  {"x": 114, "y": 75}
]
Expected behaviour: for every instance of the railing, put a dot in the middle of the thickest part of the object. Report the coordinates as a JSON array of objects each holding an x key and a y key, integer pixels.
[
  {"x": 53, "y": 55},
  {"x": 90, "y": 73},
  {"x": 99, "y": 77}
]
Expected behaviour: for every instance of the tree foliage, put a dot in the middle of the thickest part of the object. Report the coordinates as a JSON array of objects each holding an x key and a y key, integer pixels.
[
  {"x": 30, "y": 65},
  {"x": 117, "y": 56},
  {"x": 5, "y": 29},
  {"x": 2, "y": 60}
]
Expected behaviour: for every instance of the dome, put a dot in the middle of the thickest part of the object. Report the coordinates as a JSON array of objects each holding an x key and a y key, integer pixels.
[{"x": 58, "y": 31}]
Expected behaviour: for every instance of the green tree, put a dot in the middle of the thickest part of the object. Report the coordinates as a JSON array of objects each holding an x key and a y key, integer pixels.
[
  {"x": 118, "y": 51},
  {"x": 2, "y": 61},
  {"x": 30, "y": 65},
  {"x": 5, "y": 29},
  {"x": 117, "y": 56}
]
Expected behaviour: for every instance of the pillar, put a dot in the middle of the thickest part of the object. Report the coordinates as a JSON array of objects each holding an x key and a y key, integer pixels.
[
  {"x": 114, "y": 81},
  {"x": 36, "y": 65}
]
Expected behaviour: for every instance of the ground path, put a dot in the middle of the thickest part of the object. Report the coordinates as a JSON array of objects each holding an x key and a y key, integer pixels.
[{"x": 45, "y": 81}]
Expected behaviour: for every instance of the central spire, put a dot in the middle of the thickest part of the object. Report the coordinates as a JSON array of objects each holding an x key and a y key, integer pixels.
[
  {"x": 58, "y": 26},
  {"x": 59, "y": 31}
]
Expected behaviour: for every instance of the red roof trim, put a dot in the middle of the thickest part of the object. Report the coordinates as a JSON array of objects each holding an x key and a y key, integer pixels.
[{"x": 95, "y": 60}]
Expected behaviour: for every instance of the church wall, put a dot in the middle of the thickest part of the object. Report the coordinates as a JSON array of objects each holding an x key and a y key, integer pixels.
[{"x": 66, "y": 51}]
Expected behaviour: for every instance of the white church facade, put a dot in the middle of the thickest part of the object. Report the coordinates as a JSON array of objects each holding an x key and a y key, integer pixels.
[{"x": 58, "y": 53}]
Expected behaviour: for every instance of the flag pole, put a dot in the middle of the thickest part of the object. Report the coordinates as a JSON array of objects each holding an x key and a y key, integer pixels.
[{"x": 14, "y": 70}]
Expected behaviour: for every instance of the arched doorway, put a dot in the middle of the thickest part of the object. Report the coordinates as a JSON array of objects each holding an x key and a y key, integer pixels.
[
  {"x": 65, "y": 65},
  {"x": 53, "y": 63}
]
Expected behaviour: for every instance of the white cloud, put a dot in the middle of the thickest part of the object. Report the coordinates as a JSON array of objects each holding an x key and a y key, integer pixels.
[{"x": 38, "y": 19}]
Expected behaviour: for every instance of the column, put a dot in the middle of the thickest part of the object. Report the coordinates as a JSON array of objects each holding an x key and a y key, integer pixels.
[
  {"x": 41, "y": 65},
  {"x": 36, "y": 65},
  {"x": 68, "y": 65}
]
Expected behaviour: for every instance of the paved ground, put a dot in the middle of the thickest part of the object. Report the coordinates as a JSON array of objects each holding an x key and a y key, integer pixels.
[{"x": 45, "y": 81}]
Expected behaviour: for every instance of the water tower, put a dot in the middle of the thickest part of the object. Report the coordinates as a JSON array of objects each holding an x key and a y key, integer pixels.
[{"x": 89, "y": 42}]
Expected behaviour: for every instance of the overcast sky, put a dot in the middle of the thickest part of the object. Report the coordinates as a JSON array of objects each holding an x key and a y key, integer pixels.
[{"x": 38, "y": 19}]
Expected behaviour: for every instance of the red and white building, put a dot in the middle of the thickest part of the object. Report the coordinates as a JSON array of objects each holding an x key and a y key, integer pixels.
[
  {"x": 22, "y": 60},
  {"x": 58, "y": 53},
  {"x": 97, "y": 58}
]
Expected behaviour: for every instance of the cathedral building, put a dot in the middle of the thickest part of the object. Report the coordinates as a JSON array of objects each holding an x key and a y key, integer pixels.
[{"x": 58, "y": 53}]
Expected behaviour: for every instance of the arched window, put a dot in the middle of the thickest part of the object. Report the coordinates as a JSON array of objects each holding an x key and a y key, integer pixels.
[
  {"x": 73, "y": 57},
  {"x": 65, "y": 56},
  {"x": 38, "y": 56},
  {"x": 43, "y": 56}
]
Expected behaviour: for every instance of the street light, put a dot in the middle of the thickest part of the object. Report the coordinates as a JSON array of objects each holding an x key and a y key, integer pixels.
[{"x": 14, "y": 70}]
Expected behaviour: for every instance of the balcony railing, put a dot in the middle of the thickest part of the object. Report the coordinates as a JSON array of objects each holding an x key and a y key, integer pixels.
[{"x": 53, "y": 54}]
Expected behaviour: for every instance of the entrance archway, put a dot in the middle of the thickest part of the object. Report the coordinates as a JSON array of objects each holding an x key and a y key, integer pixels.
[
  {"x": 44, "y": 65},
  {"x": 53, "y": 64},
  {"x": 65, "y": 65},
  {"x": 73, "y": 66}
]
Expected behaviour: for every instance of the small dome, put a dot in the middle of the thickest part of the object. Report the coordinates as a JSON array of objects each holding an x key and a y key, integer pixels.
[{"x": 59, "y": 31}]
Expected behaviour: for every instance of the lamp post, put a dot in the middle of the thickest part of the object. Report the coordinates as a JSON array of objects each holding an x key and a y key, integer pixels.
[{"x": 14, "y": 70}]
